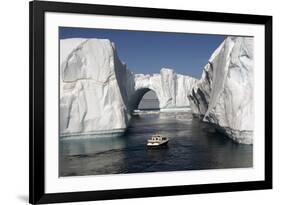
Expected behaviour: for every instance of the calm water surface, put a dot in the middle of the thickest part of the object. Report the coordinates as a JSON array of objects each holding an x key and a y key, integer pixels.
[{"x": 193, "y": 145}]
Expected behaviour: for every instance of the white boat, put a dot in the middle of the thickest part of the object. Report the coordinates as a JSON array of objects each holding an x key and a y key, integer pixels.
[{"x": 157, "y": 140}]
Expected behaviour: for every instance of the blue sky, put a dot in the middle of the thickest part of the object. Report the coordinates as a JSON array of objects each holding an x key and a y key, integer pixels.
[{"x": 148, "y": 52}]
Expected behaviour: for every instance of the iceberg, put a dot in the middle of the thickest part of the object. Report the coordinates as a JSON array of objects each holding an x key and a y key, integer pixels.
[
  {"x": 90, "y": 97},
  {"x": 224, "y": 95}
]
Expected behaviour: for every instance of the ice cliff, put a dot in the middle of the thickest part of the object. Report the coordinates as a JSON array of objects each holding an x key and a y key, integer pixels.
[
  {"x": 98, "y": 92},
  {"x": 90, "y": 89},
  {"x": 224, "y": 94}
]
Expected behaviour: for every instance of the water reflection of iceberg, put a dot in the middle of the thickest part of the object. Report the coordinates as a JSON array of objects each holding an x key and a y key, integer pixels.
[{"x": 90, "y": 144}]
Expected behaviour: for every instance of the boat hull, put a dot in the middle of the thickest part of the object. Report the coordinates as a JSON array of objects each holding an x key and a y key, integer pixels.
[{"x": 156, "y": 145}]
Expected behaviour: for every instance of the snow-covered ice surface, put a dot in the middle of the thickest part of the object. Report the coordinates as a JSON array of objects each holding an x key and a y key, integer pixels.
[
  {"x": 224, "y": 94},
  {"x": 98, "y": 93}
]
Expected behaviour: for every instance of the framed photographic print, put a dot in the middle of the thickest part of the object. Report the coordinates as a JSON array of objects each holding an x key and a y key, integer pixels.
[{"x": 140, "y": 102}]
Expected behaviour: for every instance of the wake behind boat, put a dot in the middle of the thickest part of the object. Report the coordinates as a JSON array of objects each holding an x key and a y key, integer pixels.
[{"x": 157, "y": 141}]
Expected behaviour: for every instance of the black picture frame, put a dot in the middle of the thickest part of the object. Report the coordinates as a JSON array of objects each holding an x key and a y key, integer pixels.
[{"x": 37, "y": 9}]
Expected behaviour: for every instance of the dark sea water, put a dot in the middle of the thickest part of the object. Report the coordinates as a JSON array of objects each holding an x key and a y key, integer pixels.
[{"x": 193, "y": 145}]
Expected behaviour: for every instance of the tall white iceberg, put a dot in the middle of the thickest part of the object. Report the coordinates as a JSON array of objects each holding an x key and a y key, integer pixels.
[
  {"x": 90, "y": 96},
  {"x": 224, "y": 95}
]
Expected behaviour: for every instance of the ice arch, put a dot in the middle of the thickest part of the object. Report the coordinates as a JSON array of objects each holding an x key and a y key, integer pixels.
[{"x": 171, "y": 89}]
